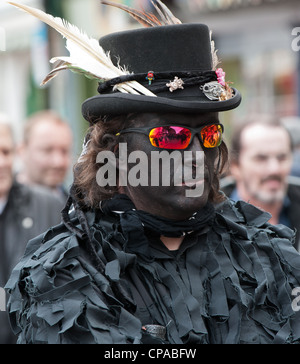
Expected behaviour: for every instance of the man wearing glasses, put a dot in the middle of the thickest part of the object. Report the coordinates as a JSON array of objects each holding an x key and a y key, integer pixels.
[{"x": 144, "y": 263}]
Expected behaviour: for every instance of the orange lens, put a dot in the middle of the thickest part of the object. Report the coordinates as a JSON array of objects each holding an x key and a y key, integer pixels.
[
  {"x": 211, "y": 136},
  {"x": 170, "y": 137}
]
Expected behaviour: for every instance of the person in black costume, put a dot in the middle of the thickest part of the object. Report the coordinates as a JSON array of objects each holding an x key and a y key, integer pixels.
[{"x": 144, "y": 263}]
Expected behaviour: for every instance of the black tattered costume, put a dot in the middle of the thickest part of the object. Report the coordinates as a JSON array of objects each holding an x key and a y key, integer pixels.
[{"x": 230, "y": 281}]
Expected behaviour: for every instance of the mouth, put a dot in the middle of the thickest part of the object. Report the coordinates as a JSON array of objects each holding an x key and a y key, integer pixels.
[
  {"x": 273, "y": 182},
  {"x": 194, "y": 182}
]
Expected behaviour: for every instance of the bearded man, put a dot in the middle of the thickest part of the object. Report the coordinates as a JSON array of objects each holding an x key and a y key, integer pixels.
[{"x": 261, "y": 157}]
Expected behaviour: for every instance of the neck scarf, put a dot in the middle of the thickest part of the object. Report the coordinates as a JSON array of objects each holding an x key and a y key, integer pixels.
[{"x": 134, "y": 222}]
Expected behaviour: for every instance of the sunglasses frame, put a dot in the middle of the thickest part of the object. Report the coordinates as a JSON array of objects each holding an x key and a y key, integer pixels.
[{"x": 147, "y": 129}]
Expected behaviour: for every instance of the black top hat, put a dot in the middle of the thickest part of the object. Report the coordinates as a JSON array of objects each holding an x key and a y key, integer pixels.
[
  {"x": 171, "y": 67},
  {"x": 175, "y": 62}
]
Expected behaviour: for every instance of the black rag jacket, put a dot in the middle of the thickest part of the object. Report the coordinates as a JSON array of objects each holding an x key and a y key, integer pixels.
[{"x": 230, "y": 283}]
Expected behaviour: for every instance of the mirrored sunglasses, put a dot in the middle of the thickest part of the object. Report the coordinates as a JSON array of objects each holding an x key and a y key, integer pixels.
[{"x": 180, "y": 137}]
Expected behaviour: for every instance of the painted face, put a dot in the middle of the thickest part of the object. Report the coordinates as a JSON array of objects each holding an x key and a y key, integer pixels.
[
  {"x": 6, "y": 160},
  {"x": 180, "y": 183},
  {"x": 264, "y": 164}
]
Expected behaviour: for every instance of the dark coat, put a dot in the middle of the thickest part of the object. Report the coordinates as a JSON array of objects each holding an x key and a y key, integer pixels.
[
  {"x": 29, "y": 212},
  {"x": 231, "y": 282},
  {"x": 292, "y": 210}
]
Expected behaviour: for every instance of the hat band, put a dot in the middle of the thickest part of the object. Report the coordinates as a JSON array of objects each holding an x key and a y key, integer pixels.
[{"x": 187, "y": 79}]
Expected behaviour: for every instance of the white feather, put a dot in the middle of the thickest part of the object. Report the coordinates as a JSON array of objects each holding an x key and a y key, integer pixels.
[
  {"x": 85, "y": 53},
  {"x": 215, "y": 59}
]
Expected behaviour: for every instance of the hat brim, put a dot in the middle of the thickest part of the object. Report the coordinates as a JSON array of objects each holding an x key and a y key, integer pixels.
[{"x": 121, "y": 103}]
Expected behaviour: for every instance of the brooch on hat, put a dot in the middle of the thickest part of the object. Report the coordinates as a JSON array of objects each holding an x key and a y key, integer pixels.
[
  {"x": 176, "y": 84},
  {"x": 217, "y": 90},
  {"x": 150, "y": 77}
]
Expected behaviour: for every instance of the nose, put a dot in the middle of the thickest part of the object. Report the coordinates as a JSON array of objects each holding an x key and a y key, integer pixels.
[
  {"x": 196, "y": 144},
  {"x": 197, "y": 158},
  {"x": 59, "y": 159},
  {"x": 274, "y": 165}
]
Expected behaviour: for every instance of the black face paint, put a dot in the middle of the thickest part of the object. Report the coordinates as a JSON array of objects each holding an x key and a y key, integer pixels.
[{"x": 160, "y": 191}]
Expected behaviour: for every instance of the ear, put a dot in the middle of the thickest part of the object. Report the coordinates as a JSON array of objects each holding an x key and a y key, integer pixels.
[{"x": 116, "y": 149}]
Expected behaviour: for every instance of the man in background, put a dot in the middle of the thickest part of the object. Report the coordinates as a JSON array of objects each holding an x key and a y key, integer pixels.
[
  {"x": 25, "y": 212},
  {"x": 46, "y": 152},
  {"x": 260, "y": 166}
]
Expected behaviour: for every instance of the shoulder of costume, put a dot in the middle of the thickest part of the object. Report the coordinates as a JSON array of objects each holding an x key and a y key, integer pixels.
[
  {"x": 57, "y": 249},
  {"x": 56, "y": 282},
  {"x": 241, "y": 212},
  {"x": 248, "y": 220},
  {"x": 45, "y": 246},
  {"x": 40, "y": 249}
]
